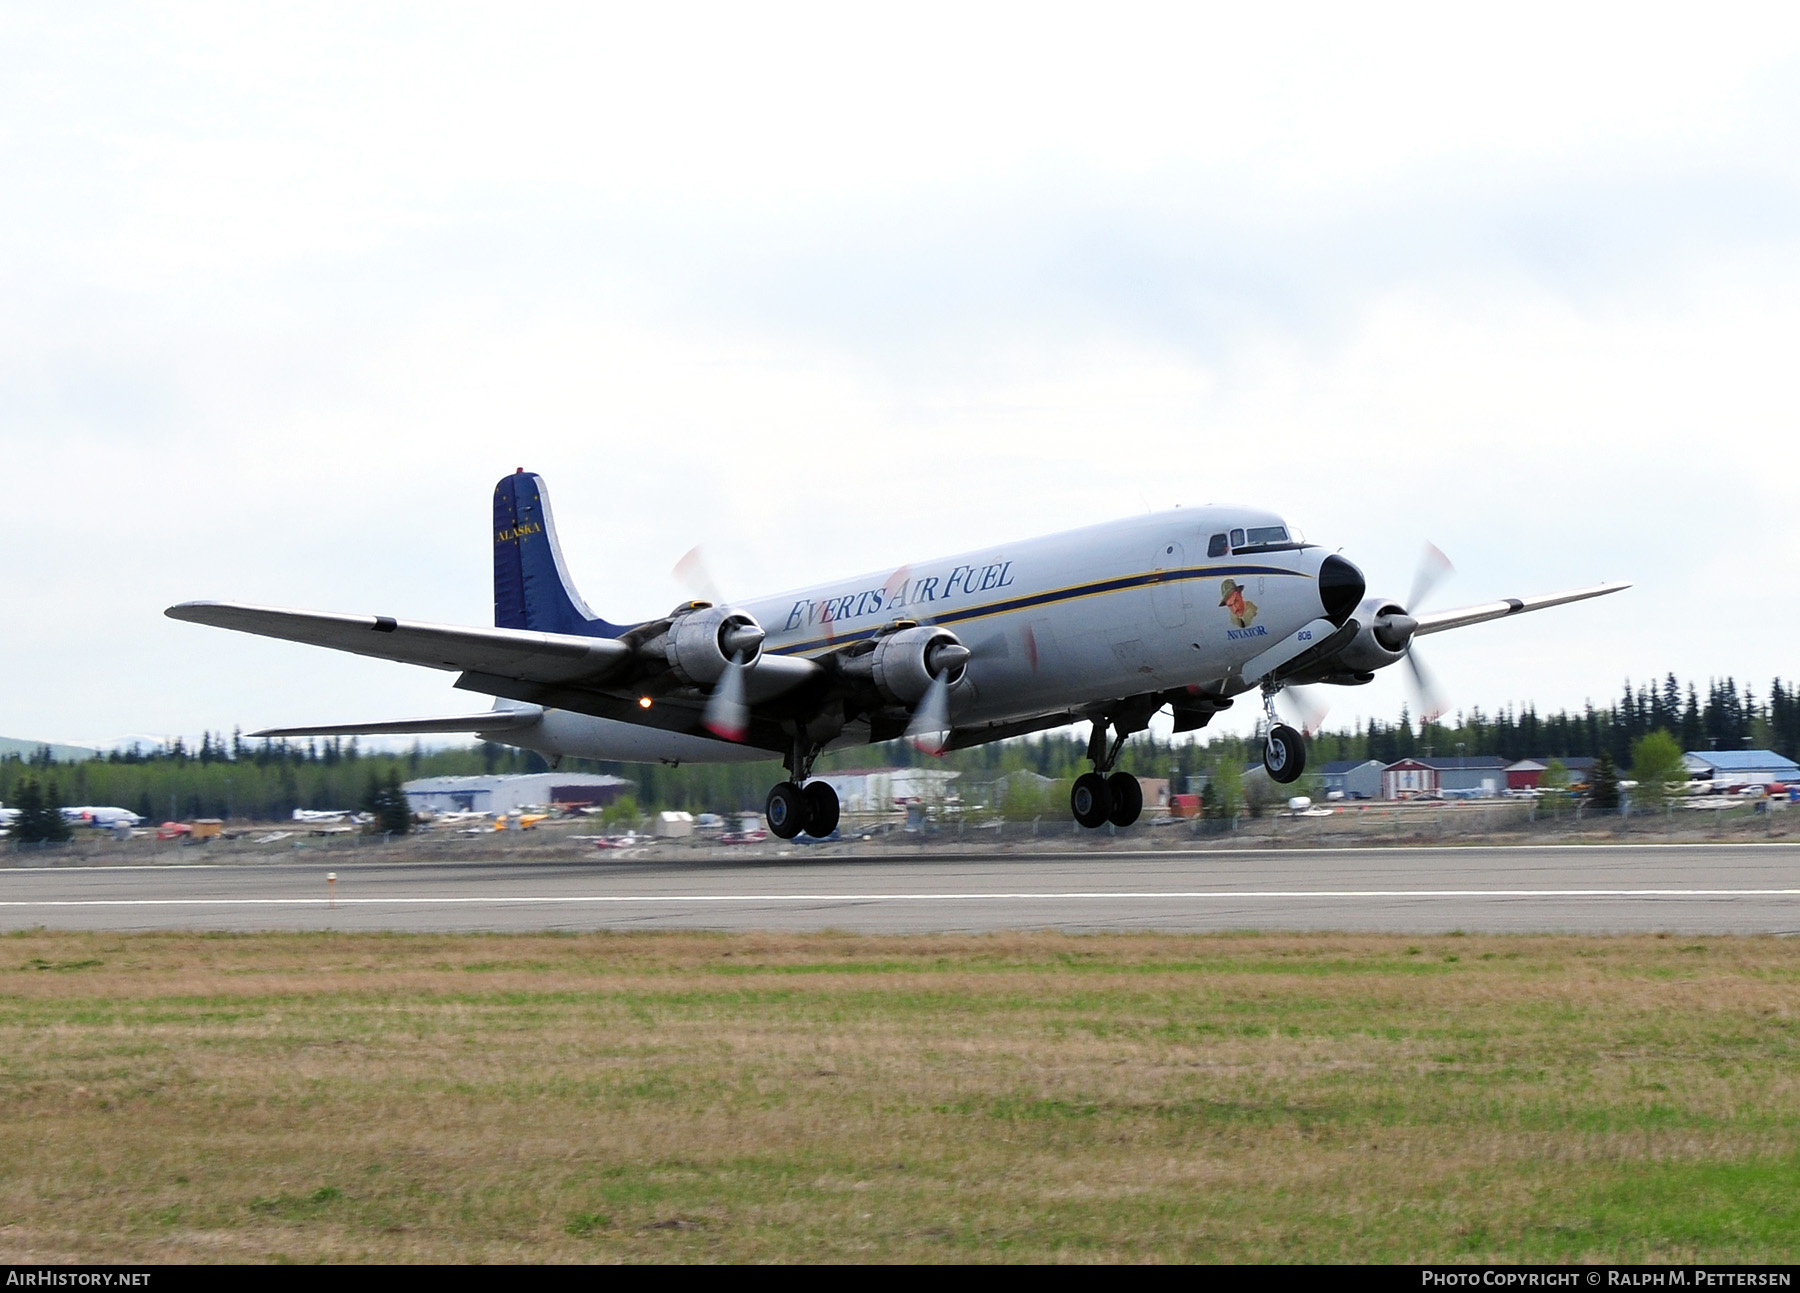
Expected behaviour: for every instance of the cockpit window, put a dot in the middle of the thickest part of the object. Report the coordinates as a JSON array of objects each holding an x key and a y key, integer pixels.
[
  {"x": 1237, "y": 538},
  {"x": 1216, "y": 548},
  {"x": 1261, "y": 536}
]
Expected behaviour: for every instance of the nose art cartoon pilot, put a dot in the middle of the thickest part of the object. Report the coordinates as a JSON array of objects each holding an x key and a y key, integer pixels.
[{"x": 1243, "y": 613}]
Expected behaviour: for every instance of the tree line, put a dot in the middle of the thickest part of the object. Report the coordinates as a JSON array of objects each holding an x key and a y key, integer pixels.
[{"x": 235, "y": 779}]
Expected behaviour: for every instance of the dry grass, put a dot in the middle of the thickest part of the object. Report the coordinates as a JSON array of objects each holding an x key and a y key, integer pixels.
[{"x": 1029, "y": 1096}]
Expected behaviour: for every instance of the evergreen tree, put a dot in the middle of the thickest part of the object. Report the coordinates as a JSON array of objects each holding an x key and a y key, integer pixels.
[
  {"x": 56, "y": 830},
  {"x": 40, "y": 814},
  {"x": 1603, "y": 786},
  {"x": 396, "y": 814},
  {"x": 28, "y": 826},
  {"x": 1784, "y": 719},
  {"x": 1693, "y": 731},
  {"x": 386, "y": 804}
]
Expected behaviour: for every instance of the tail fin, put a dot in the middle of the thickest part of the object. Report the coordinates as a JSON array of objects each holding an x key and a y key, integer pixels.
[{"x": 532, "y": 588}]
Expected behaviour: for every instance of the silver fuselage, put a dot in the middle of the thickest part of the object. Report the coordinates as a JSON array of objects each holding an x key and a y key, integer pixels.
[{"x": 1058, "y": 623}]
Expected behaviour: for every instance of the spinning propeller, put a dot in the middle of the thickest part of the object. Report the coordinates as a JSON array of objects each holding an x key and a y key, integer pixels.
[
  {"x": 1307, "y": 705},
  {"x": 1395, "y": 632},
  {"x": 1310, "y": 704},
  {"x": 726, "y": 716},
  {"x": 929, "y": 730},
  {"x": 1433, "y": 567}
]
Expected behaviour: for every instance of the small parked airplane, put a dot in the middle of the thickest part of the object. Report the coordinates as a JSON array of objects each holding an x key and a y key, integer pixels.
[
  {"x": 1181, "y": 610},
  {"x": 105, "y": 818}
]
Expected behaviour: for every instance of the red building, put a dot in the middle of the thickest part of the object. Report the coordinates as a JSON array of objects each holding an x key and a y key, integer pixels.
[
  {"x": 1408, "y": 779},
  {"x": 1525, "y": 774}
]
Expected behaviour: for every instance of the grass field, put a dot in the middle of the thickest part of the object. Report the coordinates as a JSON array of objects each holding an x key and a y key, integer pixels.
[{"x": 1012, "y": 1097}]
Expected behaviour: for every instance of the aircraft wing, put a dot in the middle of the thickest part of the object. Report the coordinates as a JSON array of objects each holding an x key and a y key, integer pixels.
[
  {"x": 488, "y": 720},
  {"x": 510, "y": 653},
  {"x": 1438, "y": 621},
  {"x": 589, "y": 675}
]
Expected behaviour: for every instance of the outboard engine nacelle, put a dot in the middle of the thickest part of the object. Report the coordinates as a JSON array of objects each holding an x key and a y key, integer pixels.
[
  {"x": 903, "y": 665},
  {"x": 702, "y": 640},
  {"x": 1386, "y": 633}
]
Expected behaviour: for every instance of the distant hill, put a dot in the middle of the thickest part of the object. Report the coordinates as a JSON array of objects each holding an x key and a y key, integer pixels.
[{"x": 61, "y": 753}]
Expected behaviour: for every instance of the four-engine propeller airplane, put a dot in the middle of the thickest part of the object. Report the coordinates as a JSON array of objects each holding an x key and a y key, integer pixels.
[{"x": 1181, "y": 610}]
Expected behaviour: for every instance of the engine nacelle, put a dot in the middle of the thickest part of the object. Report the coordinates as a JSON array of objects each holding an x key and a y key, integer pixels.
[
  {"x": 903, "y": 665},
  {"x": 1385, "y": 634},
  {"x": 699, "y": 643}
]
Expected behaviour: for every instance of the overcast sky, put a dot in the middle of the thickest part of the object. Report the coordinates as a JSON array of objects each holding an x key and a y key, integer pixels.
[{"x": 828, "y": 289}]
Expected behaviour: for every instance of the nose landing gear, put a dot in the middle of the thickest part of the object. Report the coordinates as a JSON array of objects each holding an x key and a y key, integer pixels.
[{"x": 1284, "y": 749}]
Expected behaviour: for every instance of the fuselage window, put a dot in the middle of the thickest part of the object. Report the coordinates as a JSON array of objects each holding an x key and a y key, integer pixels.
[
  {"x": 1237, "y": 538},
  {"x": 1216, "y": 548}
]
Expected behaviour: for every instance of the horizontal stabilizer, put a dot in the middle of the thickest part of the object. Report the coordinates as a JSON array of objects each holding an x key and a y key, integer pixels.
[
  {"x": 1438, "y": 621},
  {"x": 511, "y": 653},
  {"x": 488, "y": 720}
]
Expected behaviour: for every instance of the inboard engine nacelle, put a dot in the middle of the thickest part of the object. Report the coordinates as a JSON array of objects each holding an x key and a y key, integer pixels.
[
  {"x": 903, "y": 665},
  {"x": 701, "y": 641},
  {"x": 1386, "y": 633}
]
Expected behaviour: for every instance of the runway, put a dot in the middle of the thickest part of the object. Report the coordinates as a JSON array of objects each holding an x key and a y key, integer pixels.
[{"x": 1733, "y": 888}]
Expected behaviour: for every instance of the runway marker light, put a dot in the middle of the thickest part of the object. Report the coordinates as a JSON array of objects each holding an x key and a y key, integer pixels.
[{"x": 331, "y": 890}]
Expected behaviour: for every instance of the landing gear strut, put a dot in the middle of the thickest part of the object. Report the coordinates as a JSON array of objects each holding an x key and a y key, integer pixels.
[
  {"x": 1103, "y": 796},
  {"x": 1284, "y": 749},
  {"x": 797, "y": 805}
]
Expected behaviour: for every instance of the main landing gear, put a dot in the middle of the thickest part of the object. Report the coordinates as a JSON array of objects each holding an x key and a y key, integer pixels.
[
  {"x": 1284, "y": 749},
  {"x": 1103, "y": 796},
  {"x": 798, "y": 805}
]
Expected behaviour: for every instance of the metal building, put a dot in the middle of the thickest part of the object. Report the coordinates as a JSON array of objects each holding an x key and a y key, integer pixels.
[
  {"x": 878, "y": 790},
  {"x": 1352, "y": 779},
  {"x": 499, "y": 794},
  {"x": 1740, "y": 767}
]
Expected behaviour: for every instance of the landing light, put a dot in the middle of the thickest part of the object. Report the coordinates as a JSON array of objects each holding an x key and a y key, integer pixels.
[{"x": 643, "y": 702}]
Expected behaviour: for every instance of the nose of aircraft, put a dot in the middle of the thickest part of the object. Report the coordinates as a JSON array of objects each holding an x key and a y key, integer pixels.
[{"x": 1341, "y": 588}]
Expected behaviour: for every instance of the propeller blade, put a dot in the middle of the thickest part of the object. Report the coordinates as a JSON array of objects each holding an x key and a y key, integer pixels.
[
  {"x": 692, "y": 573},
  {"x": 1433, "y": 566},
  {"x": 929, "y": 730},
  {"x": 727, "y": 716},
  {"x": 1432, "y": 705},
  {"x": 1309, "y": 704}
]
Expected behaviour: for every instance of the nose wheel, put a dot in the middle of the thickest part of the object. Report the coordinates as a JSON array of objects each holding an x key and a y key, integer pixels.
[
  {"x": 1284, "y": 754},
  {"x": 1284, "y": 749}
]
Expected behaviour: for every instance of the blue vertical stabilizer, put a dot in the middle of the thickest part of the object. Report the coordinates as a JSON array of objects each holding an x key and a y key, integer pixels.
[{"x": 532, "y": 588}]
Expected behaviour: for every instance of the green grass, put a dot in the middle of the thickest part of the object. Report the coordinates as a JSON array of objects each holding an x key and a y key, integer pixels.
[{"x": 1013, "y": 1097}]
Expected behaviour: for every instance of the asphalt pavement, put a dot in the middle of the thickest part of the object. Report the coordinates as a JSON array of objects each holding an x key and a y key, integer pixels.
[{"x": 1687, "y": 888}]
